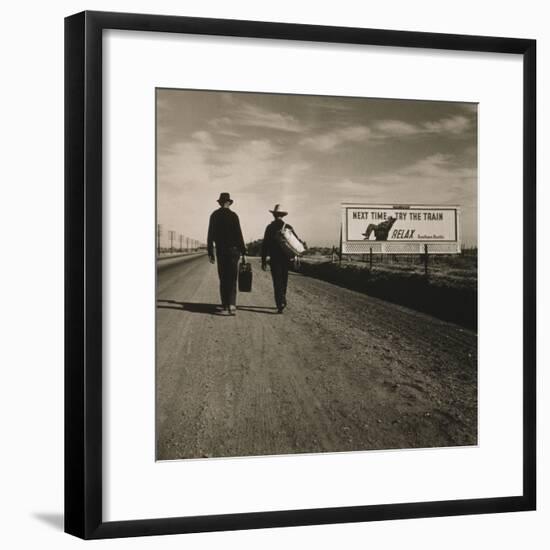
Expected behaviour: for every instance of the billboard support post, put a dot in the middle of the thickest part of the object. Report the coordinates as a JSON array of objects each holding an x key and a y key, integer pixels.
[
  {"x": 340, "y": 249},
  {"x": 425, "y": 260},
  {"x": 370, "y": 258}
]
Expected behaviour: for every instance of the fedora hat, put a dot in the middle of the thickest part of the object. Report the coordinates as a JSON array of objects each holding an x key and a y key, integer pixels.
[
  {"x": 278, "y": 210},
  {"x": 224, "y": 197}
]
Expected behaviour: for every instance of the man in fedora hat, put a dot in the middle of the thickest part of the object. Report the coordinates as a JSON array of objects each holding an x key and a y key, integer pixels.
[
  {"x": 224, "y": 230},
  {"x": 278, "y": 260}
]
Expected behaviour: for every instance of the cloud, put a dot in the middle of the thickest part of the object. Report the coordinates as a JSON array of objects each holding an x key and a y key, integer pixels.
[
  {"x": 249, "y": 161},
  {"x": 329, "y": 141},
  {"x": 435, "y": 178},
  {"x": 257, "y": 172},
  {"x": 453, "y": 125},
  {"x": 223, "y": 126},
  {"x": 383, "y": 130},
  {"x": 450, "y": 126},
  {"x": 245, "y": 114},
  {"x": 329, "y": 104},
  {"x": 204, "y": 139},
  {"x": 250, "y": 115},
  {"x": 431, "y": 166},
  {"x": 438, "y": 176},
  {"x": 200, "y": 167},
  {"x": 397, "y": 128}
]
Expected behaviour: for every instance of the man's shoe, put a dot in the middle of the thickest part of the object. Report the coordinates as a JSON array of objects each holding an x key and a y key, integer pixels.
[
  {"x": 232, "y": 310},
  {"x": 279, "y": 310}
]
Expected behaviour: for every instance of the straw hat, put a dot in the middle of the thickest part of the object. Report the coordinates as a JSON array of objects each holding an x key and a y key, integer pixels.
[{"x": 279, "y": 211}]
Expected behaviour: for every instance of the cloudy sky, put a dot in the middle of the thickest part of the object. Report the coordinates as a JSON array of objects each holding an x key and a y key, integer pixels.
[{"x": 309, "y": 153}]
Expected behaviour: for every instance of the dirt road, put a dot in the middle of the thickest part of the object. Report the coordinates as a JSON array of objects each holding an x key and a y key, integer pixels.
[{"x": 338, "y": 371}]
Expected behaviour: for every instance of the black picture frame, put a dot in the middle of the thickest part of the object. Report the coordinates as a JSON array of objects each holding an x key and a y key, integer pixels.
[{"x": 83, "y": 273}]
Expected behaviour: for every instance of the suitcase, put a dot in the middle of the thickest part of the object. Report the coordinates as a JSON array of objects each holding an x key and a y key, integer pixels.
[
  {"x": 245, "y": 276},
  {"x": 289, "y": 243}
]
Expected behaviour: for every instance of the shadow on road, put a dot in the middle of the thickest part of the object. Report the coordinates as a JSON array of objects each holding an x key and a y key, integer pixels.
[
  {"x": 259, "y": 309},
  {"x": 211, "y": 309},
  {"x": 193, "y": 307}
]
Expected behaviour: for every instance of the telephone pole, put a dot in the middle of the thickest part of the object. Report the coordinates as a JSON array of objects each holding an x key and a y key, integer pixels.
[
  {"x": 172, "y": 235},
  {"x": 181, "y": 239},
  {"x": 159, "y": 233}
]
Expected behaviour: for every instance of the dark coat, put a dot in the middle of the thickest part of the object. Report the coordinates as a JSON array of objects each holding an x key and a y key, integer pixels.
[{"x": 224, "y": 230}]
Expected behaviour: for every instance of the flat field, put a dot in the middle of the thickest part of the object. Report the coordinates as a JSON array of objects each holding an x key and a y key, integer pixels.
[{"x": 449, "y": 291}]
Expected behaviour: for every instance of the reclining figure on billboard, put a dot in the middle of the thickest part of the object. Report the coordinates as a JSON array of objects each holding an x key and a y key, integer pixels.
[{"x": 381, "y": 230}]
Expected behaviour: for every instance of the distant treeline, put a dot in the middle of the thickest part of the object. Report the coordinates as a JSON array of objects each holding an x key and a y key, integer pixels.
[
  {"x": 320, "y": 251},
  {"x": 254, "y": 248}
]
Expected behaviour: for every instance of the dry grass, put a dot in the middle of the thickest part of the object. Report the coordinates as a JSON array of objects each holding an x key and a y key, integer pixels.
[{"x": 449, "y": 292}]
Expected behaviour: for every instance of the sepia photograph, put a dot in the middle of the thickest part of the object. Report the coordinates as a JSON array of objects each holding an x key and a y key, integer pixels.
[{"x": 317, "y": 278}]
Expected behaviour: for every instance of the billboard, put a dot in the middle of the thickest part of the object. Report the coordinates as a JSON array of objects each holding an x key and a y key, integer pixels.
[{"x": 400, "y": 229}]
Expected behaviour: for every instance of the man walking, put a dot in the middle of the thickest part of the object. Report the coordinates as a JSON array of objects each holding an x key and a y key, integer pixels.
[
  {"x": 279, "y": 260},
  {"x": 224, "y": 230}
]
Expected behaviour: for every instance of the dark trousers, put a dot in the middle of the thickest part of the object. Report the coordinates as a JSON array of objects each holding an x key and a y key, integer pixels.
[
  {"x": 228, "y": 264},
  {"x": 279, "y": 274}
]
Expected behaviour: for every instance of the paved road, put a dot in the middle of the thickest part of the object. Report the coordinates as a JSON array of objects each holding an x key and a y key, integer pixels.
[{"x": 338, "y": 371}]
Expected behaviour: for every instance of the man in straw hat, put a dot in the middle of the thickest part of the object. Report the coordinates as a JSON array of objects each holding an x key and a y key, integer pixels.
[
  {"x": 279, "y": 261},
  {"x": 224, "y": 230}
]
